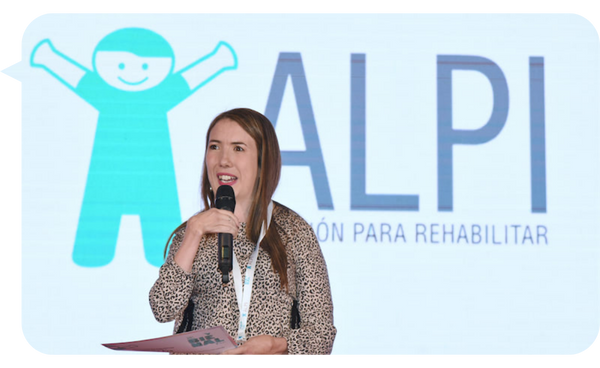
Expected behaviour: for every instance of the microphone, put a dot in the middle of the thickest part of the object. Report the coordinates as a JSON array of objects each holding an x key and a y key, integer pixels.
[{"x": 225, "y": 201}]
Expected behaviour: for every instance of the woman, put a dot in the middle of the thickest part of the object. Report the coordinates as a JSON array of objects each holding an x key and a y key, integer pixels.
[{"x": 242, "y": 151}]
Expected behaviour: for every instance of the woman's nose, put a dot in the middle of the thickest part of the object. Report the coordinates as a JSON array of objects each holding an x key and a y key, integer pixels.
[{"x": 225, "y": 159}]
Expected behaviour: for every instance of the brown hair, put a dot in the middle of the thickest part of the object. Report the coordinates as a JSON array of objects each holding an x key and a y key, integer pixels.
[{"x": 269, "y": 170}]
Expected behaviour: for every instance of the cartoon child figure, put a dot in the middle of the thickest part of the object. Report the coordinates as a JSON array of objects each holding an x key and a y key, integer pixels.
[{"x": 131, "y": 170}]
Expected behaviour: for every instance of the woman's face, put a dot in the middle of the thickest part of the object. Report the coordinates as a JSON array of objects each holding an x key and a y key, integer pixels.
[{"x": 232, "y": 159}]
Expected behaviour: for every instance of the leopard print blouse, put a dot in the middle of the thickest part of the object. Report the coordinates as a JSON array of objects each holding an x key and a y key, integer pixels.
[{"x": 270, "y": 305}]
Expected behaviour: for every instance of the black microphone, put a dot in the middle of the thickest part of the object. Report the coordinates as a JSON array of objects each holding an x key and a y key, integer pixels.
[{"x": 225, "y": 201}]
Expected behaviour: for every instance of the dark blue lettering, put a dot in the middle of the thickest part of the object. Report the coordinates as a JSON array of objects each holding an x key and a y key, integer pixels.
[
  {"x": 447, "y": 136},
  {"x": 290, "y": 64},
  {"x": 359, "y": 199},
  {"x": 538, "y": 134}
]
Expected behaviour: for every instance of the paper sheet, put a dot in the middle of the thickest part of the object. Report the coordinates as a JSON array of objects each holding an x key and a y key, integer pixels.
[{"x": 213, "y": 340}]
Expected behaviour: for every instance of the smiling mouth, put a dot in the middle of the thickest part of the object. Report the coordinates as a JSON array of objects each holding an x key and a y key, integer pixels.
[
  {"x": 133, "y": 83},
  {"x": 225, "y": 179}
]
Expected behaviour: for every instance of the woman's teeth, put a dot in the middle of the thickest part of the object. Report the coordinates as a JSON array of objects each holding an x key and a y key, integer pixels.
[{"x": 226, "y": 178}]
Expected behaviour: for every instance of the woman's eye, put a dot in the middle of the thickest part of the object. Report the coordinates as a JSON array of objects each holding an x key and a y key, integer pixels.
[
  {"x": 213, "y": 147},
  {"x": 239, "y": 149}
]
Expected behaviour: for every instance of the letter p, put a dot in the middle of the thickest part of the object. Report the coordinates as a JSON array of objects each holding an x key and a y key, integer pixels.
[{"x": 447, "y": 136}]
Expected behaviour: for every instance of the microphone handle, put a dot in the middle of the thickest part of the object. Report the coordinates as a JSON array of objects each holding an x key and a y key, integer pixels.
[{"x": 225, "y": 255}]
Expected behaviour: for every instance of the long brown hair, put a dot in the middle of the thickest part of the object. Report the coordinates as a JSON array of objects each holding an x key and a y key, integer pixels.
[{"x": 269, "y": 170}]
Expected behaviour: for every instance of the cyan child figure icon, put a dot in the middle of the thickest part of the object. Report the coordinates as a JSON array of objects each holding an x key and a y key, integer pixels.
[{"x": 131, "y": 170}]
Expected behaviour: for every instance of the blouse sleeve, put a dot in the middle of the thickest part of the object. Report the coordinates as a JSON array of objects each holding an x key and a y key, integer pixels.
[
  {"x": 171, "y": 293},
  {"x": 316, "y": 332}
]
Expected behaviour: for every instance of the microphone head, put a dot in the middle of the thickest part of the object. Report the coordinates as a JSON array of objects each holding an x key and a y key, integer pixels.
[{"x": 225, "y": 198}]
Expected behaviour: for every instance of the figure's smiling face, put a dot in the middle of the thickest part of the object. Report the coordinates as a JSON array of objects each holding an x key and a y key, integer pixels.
[{"x": 130, "y": 72}]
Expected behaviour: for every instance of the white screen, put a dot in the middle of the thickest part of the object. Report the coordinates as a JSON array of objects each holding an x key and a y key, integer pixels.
[{"x": 526, "y": 284}]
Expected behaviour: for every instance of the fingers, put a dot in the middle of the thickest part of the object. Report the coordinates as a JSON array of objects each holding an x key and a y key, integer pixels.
[
  {"x": 237, "y": 351},
  {"x": 231, "y": 218},
  {"x": 214, "y": 221},
  {"x": 263, "y": 344},
  {"x": 226, "y": 222}
]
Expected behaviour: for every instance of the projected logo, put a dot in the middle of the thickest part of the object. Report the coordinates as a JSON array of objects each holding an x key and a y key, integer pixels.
[
  {"x": 290, "y": 65},
  {"x": 290, "y": 68},
  {"x": 132, "y": 86}
]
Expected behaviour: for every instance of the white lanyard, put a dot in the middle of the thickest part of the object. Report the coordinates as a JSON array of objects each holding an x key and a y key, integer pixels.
[{"x": 243, "y": 293}]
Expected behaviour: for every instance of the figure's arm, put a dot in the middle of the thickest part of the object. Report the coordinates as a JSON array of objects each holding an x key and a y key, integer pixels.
[
  {"x": 60, "y": 66},
  {"x": 207, "y": 68}
]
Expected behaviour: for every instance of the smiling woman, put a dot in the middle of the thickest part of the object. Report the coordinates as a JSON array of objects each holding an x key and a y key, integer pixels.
[
  {"x": 290, "y": 309},
  {"x": 232, "y": 159}
]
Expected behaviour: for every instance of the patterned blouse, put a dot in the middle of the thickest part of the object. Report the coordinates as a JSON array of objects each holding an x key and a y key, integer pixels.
[{"x": 270, "y": 305}]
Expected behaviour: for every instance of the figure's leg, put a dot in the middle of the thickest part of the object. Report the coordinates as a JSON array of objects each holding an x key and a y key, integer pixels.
[
  {"x": 98, "y": 228},
  {"x": 158, "y": 220},
  {"x": 156, "y": 229}
]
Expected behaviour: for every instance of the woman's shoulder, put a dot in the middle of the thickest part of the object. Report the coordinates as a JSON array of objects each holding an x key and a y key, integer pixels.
[
  {"x": 288, "y": 218},
  {"x": 301, "y": 239}
]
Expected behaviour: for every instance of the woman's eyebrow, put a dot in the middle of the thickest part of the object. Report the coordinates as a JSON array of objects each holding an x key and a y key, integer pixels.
[{"x": 232, "y": 143}]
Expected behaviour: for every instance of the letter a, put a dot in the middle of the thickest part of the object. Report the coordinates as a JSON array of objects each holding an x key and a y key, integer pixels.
[{"x": 290, "y": 63}]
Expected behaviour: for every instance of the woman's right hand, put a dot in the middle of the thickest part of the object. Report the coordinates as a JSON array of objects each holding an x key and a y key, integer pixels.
[{"x": 211, "y": 221}]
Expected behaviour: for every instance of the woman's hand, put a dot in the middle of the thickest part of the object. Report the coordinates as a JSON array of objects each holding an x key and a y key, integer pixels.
[
  {"x": 263, "y": 344},
  {"x": 212, "y": 221},
  {"x": 206, "y": 222}
]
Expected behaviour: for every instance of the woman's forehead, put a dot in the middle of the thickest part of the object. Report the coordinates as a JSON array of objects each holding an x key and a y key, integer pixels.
[{"x": 228, "y": 131}]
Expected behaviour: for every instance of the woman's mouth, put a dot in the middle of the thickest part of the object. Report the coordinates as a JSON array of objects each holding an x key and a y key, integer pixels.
[{"x": 226, "y": 179}]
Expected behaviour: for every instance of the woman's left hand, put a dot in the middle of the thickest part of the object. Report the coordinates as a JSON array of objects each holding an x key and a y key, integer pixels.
[{"x": 263, "y": 344}]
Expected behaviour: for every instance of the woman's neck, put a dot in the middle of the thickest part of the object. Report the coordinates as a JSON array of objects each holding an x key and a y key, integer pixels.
[{"x": 242, "y": 211}]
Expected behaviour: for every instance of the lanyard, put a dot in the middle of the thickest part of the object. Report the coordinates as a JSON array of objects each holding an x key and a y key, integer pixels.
[{"x": 244, "y": 292}]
